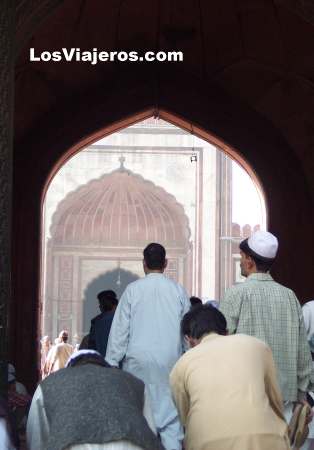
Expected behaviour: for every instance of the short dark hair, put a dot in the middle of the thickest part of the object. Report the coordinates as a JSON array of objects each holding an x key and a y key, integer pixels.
[
  {"x": 107, "y": 300},
  {"x": 203, "y": 319},
  {"x": 195, "y": 301},
  {"x": 155, "y": 256},
  {"x": 262, "y": 264}
]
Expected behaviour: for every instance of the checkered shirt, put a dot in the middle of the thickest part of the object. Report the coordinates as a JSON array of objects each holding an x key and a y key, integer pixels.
[{"x": 265, "y": 309}]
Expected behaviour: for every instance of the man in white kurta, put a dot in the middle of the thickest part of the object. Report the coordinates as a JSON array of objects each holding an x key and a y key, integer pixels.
[{"x": 145, "y": 336}]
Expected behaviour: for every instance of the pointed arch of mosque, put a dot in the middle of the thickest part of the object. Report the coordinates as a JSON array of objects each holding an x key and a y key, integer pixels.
[
  {"x": 78, "y": 130},
  {"x": 233, "y": 88}
]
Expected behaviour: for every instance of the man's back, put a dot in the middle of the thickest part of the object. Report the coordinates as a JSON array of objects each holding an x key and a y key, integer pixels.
[
  {"x": 153, "y": 307},
  {"x": 57, "y": 357},
  {"x": 89, "y": 404},
  {"x": 222, "y": 387},
  {"x": 265, "y": 309},
  {"x": 99, "y": 332},
  {"x": 145, "y": 334}
]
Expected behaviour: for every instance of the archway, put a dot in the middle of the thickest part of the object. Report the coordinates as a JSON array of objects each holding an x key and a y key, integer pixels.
[{"x": 100, "y": 216}]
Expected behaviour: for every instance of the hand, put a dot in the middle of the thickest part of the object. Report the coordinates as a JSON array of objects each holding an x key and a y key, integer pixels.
[{"x": 310, "y": 414}]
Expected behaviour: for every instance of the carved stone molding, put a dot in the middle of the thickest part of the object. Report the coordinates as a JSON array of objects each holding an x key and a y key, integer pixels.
[{"x": 6, "y": 127}]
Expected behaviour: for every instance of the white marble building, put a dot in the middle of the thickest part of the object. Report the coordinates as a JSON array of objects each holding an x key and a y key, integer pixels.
[{"x": 151, "y": 182}]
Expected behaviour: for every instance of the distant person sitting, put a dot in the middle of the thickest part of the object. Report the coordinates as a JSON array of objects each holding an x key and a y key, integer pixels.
[
  {"x": 91, "y": 406},
  {"x": 101, "y": 324},
  {"x": 195, "y": 301}
]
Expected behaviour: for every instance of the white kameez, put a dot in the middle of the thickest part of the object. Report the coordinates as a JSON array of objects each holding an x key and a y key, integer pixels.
[
  {"x": 37, "y": 432},
  {"x": 145, "y": 334}
]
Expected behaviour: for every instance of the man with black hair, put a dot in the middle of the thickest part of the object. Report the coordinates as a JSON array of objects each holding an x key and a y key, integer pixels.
[
  {"x": 271, "y": 312},
  {"x": 91, "y": 406},
  {"x": 225, "y": 388},
  {"x": 101, "y": 324},
  {"x": 195, "y": 301},
  {"x": 145, "y": 336}
]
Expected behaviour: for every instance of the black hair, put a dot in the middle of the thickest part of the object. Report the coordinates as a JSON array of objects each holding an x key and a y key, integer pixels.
[
  {"x": 195, "y": 301},
  {"x": 155, "y": 256},
  {"x": 262, "y": 263},
  {"x": 203, "y": 319},
  {"x": 107, "y": 300}
]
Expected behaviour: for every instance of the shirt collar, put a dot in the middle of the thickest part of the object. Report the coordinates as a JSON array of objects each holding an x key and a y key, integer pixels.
[
  {"x": 209, "y": 337},
  {"x": 260, "y": 276}
]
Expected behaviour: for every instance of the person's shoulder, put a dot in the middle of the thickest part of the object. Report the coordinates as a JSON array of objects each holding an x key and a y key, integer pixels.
[
  {"x": 184, "y": 361},
  {"x": 190, "y": 355},
  {"x": 55, "y": 377},
  {"x": 173, "y": 283},
  {"x": 237, "y": 290},
  {"x": 308, "y": 306},
  {"x": 284, "y": 289},
  {"x": 135, "y": 284},
  {"x": 252, "y": 341},
  {"x": 94, "y": 319}
]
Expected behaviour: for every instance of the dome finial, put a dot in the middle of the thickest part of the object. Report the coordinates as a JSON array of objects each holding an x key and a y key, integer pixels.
[{"x": 122, "y": 160}]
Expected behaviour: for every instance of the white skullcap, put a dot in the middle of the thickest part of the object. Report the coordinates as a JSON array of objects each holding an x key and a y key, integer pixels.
[
  {"x": 263, "y": 244},
  {"x": 80, "y": 353}
]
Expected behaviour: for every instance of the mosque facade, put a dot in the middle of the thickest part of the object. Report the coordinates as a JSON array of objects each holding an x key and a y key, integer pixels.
[{"x": 151, "y": 182}]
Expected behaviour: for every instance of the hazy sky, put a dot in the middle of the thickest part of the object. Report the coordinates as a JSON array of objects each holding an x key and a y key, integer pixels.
[{"x": 247, "y": 205}]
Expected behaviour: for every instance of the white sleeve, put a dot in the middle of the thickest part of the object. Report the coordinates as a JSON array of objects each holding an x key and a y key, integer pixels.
[
  {"x": 4, "y": 436},
  {"x": 120, "y": 330},
  {"x": 306, "y": 310},
  {"x": 186, "y": 308},
  {"x": 186, "y": 303},
  {"x": 37, "y": 429},
  {"x": 147, "y": 412}
]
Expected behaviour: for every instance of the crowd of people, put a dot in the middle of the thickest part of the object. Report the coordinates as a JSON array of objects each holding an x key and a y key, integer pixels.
[{"x": 161, "y": 370}]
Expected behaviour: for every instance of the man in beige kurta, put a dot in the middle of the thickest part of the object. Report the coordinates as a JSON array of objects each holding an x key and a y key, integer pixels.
[
  {"x": 58, "y": 355},
  {"x": 225, "y": 388}
]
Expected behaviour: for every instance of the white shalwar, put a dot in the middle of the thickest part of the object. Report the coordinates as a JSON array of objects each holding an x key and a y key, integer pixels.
[
  {"x": 37, "y": 431},
  {"x": 145, "y": 336}
]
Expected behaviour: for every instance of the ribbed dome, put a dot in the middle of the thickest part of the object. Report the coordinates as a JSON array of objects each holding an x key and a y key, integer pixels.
[{"x": 120, "y": 209}]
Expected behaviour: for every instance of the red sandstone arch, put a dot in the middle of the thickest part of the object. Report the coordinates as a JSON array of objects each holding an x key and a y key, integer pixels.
[
  {"x": 261, "y": 146},
  {"x": 237, "y": 88}
]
